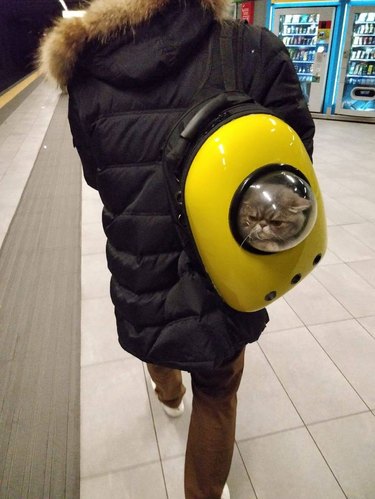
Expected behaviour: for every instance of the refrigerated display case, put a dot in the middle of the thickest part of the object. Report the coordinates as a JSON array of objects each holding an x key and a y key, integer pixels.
[
  {"x": 356, "y": 95},
  {"x": 306, "y": 32}
]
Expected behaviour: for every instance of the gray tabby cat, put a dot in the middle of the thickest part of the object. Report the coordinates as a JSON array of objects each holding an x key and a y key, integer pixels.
[{"x": 271, "y": 217}]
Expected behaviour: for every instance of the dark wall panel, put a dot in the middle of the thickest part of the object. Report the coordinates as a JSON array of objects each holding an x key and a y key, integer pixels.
[{"x": 22, "y": 22}]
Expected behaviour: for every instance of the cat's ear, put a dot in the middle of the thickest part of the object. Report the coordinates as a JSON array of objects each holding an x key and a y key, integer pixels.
[{"x": 301, "y": 204}]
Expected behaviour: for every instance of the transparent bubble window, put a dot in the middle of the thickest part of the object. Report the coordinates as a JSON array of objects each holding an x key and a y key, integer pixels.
[{"x": 273, "y": 212}]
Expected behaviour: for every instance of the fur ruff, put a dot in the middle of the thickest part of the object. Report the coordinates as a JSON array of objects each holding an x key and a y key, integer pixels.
[{"x": 60, "y": 48}]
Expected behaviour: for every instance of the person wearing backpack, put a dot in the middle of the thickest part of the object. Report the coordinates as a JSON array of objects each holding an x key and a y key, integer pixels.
[{"x": 132, "y": 68}]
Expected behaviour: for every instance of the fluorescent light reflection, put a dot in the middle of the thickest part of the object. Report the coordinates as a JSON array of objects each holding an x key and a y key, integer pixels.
[{"x": 65, "y": 7}]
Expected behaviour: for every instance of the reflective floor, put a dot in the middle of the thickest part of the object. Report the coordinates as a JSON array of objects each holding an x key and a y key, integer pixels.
[{"x": 306, "y": 413}]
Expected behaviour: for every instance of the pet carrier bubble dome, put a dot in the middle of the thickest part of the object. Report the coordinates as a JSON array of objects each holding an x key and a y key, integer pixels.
[{"x": 272, "y": 210}]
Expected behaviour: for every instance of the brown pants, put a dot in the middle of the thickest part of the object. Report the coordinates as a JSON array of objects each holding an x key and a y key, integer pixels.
[{"x": 211, "y": 436}]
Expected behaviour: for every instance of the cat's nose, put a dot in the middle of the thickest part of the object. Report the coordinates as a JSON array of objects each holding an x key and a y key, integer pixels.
[{"x": 262, "y": 224}]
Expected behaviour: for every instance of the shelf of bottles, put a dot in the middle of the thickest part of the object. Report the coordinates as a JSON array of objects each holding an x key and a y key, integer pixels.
[
  {"x": 361, "y": 64},
  {"x": 299, "y": 34}
]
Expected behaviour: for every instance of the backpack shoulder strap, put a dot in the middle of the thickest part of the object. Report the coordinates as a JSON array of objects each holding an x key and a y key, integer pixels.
[
  {"x": 225, "y": 60},
  {"x": 231, "y": 47}
]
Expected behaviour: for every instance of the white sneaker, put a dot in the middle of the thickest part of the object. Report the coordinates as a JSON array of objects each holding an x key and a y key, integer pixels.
[
  {"x": 172, "y": 412},
  {"x": 226, "y": 493}
]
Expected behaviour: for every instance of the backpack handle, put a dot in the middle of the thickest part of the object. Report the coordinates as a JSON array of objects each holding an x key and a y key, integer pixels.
[{"x": 210, "y": 110}]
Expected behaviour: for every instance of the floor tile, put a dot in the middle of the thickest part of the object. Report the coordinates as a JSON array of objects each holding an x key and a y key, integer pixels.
[
  {"x": 359, "y": 205},
  {"x": 263, "y": 405},
  {"x": 313, "y": 303},
  {"x": 174, "y": 477},
  {"x": 172, "y": 432},
  {"x": 347, "y": 247},
  {"x": 93, "y": 239},
  {"x": 288, "y": 465},
  {"x": 95, "y": 276},
  {"x": 238, "y": 480},
  {"x": 348, "y": 445},
  {"x": 88, "y": 192},
  {"x": 340, "y": 214},
  {"x": 116, "y": 424},
  {"x": 10, "y": 196},
  {"x": 352, "y": 349},
  {"x": 20, "y": 147},
  {"x": 364, "y": 232},
  {"x": 330, "y": 258},
  {"x": 2, "y": 237},
  {"x": 362, "y": 187},
  {"x": 3, "y": 167},
  {"x": 316, "y": 387},
  {"x": 7, "y": 213},
  {"x": 368, "y": 323},
  {"x": 14, "y": 180},
  {"x": 353, "y": 292},
  {"x": 92, "y": 211},
  {"x": 133, "y": 483},
  {"x": 333, "y": 189},
  {"x": 99, "y": 341},
  {"x": 282, "y": 316},
  {"x": 239, "y": 484},
  {"x": 366, "y": 270}
]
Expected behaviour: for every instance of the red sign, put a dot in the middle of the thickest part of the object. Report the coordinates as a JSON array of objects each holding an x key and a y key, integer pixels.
[{"x": 247, "y": 11}]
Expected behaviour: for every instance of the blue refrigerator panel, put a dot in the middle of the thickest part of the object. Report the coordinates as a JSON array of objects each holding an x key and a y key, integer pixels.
[{"x": 356, "y": 94}]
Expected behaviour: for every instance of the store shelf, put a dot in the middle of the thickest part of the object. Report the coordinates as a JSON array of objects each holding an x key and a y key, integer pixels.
[
  {"x": 300, "y": 46},
  {"x": 301, "y": 24},
  {"x": 299, "y": 34},
  {"x": 361, "y": 76}
]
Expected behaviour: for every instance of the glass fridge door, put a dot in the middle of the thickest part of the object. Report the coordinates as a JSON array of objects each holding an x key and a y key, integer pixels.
[
  {"x": 306, "y": 32},
  {"x": 357, "y": 79}
]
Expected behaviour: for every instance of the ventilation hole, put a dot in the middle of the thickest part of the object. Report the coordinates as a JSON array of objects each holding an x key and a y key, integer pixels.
[
  {"x": 317, "y": 259},
  {"x": 271, "y": 296},
  {"x": 181, "y": 220},
  {"x": 179, "y": 197},
  {"x": 296, "y": 279}
]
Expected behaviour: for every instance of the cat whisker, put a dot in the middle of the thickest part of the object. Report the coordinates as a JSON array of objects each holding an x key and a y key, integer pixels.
[{"x": 243, "y": 242}]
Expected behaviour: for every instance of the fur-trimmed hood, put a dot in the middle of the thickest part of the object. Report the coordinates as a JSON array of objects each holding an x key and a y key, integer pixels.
[{"x": 104, "y": 19}]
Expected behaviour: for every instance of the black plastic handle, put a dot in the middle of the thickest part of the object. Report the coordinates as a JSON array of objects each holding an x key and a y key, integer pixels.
[{"x": 211, "y": 109}]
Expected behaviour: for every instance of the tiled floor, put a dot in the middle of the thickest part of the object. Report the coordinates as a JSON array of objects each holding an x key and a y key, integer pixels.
[
  {"x": 306, "y": 417},
  {"x": 21, "y": 137}
]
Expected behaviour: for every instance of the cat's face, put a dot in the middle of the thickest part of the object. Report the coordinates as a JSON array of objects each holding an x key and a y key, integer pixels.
[{"x": 270, "y": 217}]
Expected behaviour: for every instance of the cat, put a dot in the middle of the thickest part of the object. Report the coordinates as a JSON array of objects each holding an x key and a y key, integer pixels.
[{"x": 271, "y": 217}]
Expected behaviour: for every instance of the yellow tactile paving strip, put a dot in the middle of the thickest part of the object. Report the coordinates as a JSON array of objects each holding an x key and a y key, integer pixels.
[{"x": 10, "y": 94}]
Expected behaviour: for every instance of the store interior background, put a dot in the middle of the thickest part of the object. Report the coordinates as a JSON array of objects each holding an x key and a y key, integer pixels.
[{"x": 22, "y": 24}]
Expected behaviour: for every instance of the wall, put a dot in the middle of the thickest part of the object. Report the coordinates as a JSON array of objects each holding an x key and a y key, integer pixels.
[{"x": 21, "y": 24}]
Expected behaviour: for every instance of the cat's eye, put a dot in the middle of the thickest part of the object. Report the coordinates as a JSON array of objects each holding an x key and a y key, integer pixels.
[{"x": 276, "y": 223}]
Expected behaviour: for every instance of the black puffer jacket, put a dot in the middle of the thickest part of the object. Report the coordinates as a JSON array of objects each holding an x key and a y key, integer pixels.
[{"x": 127, "y": 88}]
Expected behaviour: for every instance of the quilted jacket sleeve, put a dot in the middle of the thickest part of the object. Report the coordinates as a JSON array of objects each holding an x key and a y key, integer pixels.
[
  {"x": 81, "y": 143},
  {"x": 273, "y": 82}
]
